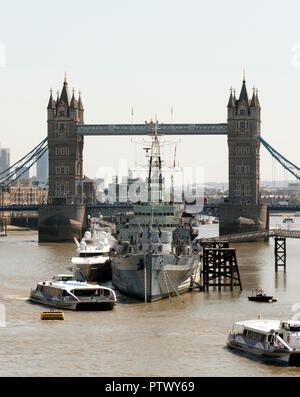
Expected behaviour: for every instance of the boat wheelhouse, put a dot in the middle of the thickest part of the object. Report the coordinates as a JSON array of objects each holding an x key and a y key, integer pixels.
[
  {"x": 275, "y": 340},
  {"x": 65, "y": 292}
]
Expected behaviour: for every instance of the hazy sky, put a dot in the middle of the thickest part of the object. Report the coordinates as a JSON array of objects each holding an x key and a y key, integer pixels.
[{"x": 151, "y": 55}]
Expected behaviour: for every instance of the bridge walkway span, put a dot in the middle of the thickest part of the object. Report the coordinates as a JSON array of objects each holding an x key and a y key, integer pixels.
[{"x": 243, "y": 237}]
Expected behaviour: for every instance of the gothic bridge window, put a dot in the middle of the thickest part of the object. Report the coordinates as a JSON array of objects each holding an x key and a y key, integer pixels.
[
  {"x": 62, "y": 188},
  {"x": 242, "y": 169},
  {"x": 242, "y": 125},
  {"x": 61, "y": 170},
  {"x": 242, "y": 150},
  {"x": 243, "y": 188},
  {"x": 62, "y": 150},
  {"x": 61, "y": 129}
]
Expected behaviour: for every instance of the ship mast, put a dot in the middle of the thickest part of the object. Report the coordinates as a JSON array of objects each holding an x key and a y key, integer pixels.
[{"x": 155, "y": 175}]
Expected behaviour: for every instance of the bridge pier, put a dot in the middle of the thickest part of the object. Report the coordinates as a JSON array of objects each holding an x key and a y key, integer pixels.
[
  {"x": 280, "y": 252},
  {"x": 61, "y": 223},
  {"x": 220, "y": 268},
  {"x": 242, "y": 218}
]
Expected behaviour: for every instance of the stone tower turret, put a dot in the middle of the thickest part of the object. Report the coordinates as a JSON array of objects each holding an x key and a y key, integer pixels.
[
  {"x": 65, "y": 148},
  {"x": 243, "y": 130},
  {"x": 243, "y": 211}
]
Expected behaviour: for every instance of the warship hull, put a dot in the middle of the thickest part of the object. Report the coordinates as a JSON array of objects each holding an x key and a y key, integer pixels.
[{"x": 153, "y": 276}]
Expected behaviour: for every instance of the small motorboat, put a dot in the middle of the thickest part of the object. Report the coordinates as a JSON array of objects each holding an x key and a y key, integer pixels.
[{"x": 258, "y": 295}]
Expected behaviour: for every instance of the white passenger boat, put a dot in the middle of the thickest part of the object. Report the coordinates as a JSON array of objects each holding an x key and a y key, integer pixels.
[
  {"x": 274, "y": 340},
  {"x": 65, "y": 292},
  {"x": 93, "y": 255}
]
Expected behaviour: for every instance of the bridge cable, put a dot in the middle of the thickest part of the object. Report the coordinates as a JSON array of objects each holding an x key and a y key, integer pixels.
[
  {"x": 288, "y": 165},
  {"x": 40, "y": 144},
  {"x": 31, "y": 158}
]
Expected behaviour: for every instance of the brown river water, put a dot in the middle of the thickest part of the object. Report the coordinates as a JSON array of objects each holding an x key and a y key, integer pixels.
[{"x": 183, "y": 337}]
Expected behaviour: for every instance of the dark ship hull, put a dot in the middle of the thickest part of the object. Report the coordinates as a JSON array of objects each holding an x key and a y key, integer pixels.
[
  {"x": 260, "y": 298},
  {"x": 98, "y": 272}
]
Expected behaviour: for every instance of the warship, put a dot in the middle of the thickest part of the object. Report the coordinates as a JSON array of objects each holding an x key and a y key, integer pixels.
[{"x": 154, "y": 257}]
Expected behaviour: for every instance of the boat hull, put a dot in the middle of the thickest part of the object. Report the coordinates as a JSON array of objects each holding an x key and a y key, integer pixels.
[
  {"x": 260, "y": 298},
  {"x": 264, "y": 351},
  {"x": 151, "y": 276},
  {"x": 76, "y": 305},
  {"x": 93, "y": 270}
]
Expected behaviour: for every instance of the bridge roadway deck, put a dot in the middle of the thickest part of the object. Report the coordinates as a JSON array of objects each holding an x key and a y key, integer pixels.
[
  {"x": 148, "y": 129},
  {"x": 35, "y": 207},
  {"x": 240, "y": 237}
]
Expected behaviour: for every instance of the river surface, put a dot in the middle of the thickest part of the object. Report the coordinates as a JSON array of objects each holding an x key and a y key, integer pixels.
[{"x": 182, "y": 337}]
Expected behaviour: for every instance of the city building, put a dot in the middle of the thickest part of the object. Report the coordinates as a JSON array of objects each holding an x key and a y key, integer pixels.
[
  {"x": 119, "y": 191},
  {"x": 4, "y": 200},
  {"x": 42, "y": 168},
  {"x": 89, "y": 191},
  {"x": 294, "y": 186},
  {"x": 24, "y": 192},
  {"x": 22, "y": 175},
  {"x": 4, "y": 159}
]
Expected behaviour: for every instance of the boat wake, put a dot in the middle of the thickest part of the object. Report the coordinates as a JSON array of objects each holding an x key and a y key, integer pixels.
[{"x": 14, "y": 297}]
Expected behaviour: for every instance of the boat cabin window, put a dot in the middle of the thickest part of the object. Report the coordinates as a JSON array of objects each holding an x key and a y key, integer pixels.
[
  {"x": 52, "y": 291},
  {"x": 92, "y": 254},
  {"x": 271, "y": 339},
  {"x": 255, "y": 336},
  {"x": 295, "y": 328},
  {"x": 64, "y": 278},
  {"x": 291, "y": 327},
  {"x": 90, "y": 292}
]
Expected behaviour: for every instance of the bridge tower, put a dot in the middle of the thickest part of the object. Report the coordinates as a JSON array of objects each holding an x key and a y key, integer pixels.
[
  {"x": 64, "y": 216},
  {"x": 243, "y": 211},
  {"x": 65, "y": 148}
]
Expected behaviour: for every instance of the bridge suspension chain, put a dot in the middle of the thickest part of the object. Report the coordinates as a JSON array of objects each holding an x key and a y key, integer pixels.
[
  {"x": 16, "y": 170},
  {"x": 288, "y": 165}
]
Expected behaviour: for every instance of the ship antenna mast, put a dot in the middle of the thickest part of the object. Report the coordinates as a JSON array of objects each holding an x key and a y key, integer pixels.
[
  {"x": 155, "y": 163},
  {"x": 172, "y": 178}
]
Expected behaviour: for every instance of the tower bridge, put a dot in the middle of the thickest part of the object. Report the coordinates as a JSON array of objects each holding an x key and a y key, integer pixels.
[{"x": 64, "y": 214}]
